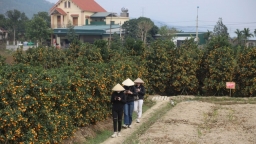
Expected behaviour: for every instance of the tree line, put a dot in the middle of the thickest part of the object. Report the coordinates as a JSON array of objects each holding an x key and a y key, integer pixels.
[
  {"x": 21, "y": 28},
  {"x": 38, "y": 28}
]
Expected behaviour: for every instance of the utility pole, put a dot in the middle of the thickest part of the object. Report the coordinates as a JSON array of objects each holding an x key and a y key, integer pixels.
[
  {"x": 110, "y": 27},
  {"x": 120, "y": 29},
  {"x": 197, "y": 25}
]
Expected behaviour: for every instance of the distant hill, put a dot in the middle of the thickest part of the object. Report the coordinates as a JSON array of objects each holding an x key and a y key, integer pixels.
[{"x": 29, "y": 7}]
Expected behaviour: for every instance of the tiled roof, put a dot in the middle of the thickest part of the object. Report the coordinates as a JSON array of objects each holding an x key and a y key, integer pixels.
[
  {"x": 90, "y": 29},
  {"x": 85, "y": 5},
  {"x": 96, "y": 27},
  {"x": 89, "y": 5},
  {"x": 60, "y": 11},
  {"x": 101, "y": 14}
]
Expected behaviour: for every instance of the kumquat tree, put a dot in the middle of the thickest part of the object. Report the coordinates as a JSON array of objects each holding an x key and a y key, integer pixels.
[{"x": 48, "y": 93}]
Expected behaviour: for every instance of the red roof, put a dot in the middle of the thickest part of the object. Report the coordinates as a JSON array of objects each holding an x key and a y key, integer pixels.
[
  {"x": 85, "y": 5},
  {"x": 89, "y": 5},
  {"x": 60, "y": 11}
]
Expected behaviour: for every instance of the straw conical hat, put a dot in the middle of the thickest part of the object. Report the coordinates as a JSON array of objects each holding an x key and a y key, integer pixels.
[
  {"x": 128, "y": 82},
  {"x": 138, "y": 80},
  {"x": 118, "y": 87}
]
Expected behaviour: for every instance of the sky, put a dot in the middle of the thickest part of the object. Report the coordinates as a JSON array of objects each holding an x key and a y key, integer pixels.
[{"x": 235, "y": 14}]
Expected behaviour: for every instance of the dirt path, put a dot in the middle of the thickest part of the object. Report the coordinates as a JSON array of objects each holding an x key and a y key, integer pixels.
[{"x": 160, "y": 102}]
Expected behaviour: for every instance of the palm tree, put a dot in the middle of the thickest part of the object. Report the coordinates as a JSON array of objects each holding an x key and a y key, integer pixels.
[
  {"x": 255, "y": 32},
  {"x": 247, "y": 34},
  {"x": 239, "y": 36}
]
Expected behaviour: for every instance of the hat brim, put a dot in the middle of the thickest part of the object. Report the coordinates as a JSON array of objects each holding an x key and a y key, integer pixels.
[
  {"x": 118, "y": 87},
  {"x": 138, "y": 80},
  {"x": 128, "y": 82}
]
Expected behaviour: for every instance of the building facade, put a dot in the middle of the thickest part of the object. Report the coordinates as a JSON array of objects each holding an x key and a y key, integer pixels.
[
  {"x": 90, "y": 20},
  {"x": 179, "y": 38}
]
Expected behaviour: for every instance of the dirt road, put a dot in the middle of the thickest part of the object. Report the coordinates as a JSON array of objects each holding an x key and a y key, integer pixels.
[{"x": 160, "y": 102}]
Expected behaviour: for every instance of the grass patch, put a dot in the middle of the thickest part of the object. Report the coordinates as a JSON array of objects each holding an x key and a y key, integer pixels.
[
  {"x": 100, "y": 137},
  {"x": 8, "y": 55},
  {"x": 226, "y": 100}
]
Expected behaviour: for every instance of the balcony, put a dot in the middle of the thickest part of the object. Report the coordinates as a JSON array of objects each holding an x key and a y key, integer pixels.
[
  {"x": 62, "y": 26},
  {"x": 98, "y": 23}
]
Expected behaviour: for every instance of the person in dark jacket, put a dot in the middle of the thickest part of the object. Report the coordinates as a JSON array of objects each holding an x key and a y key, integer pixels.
[
  {"x": 129, "y": 92},
  {"x": 118, "y": 101},
  {"x": 138, "y": 102}
]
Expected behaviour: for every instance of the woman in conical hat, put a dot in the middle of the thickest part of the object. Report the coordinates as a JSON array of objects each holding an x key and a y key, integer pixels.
[
  {"x": 118, "y": 101},
  {"x": 129, "y": 105},
  {"x": 128, "y": 82},
  {"x": 118, "y": 88},
  {"x": 138, "y": 102}
]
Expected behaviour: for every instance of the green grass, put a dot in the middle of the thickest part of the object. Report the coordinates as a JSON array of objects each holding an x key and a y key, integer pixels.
[
  {"x": 100, "y": 137},
  {"x": 226, "y": 100}
]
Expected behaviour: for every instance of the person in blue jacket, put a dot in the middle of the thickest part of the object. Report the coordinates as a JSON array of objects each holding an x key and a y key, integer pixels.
[{"x": 129, "y": 92}]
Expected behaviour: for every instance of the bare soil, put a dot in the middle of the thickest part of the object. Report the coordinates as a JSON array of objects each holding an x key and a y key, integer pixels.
[{"x": 192, "y": 122}]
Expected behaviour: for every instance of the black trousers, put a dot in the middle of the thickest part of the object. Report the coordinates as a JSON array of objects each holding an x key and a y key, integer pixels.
[{"x": 117, "y": 119}]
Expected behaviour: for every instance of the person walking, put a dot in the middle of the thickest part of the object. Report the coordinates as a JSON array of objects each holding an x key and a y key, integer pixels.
[
  {"x": 138, "y": 102},
  {"x": 129, "y": 92},
  {"x": 118, "y": 101}
]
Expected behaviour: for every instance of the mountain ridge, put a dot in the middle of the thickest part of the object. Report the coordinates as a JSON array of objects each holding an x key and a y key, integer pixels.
[{"x": 29, "y": 7}]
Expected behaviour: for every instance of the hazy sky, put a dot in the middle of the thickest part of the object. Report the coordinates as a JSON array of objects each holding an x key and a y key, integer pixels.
[{"x": 235, "y": 14}]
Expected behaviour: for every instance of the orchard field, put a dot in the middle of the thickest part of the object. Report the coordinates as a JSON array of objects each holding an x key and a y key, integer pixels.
[{"x": 47, "y": 94}]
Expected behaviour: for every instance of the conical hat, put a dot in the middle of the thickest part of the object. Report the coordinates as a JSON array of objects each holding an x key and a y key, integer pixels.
[
  {"x": 128, "y": 82},
  {"x": 118, "y": 87},
  {"x": 138, "y": 80}
]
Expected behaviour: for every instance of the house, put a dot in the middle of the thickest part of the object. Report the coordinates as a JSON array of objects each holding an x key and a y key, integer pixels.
[
  {"x": 90, "y": 20},
  {"x": 178, "y": 38},
  {"x": 3, "y": 34},
  {"x": 250, "y": 43}
]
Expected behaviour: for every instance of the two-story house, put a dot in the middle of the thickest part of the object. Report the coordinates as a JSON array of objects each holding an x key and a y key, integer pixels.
[{"x": 89, "y": 19}]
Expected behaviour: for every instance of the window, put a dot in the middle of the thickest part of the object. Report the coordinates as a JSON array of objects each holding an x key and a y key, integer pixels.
[{"x": 67, "y": 4}]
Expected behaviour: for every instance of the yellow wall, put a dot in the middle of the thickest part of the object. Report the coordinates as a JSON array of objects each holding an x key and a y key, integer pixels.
[
  {"x": 70, "y": 11},
  {"x": 82, "y": 16},
  {"x": 117, "y": 20}
]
